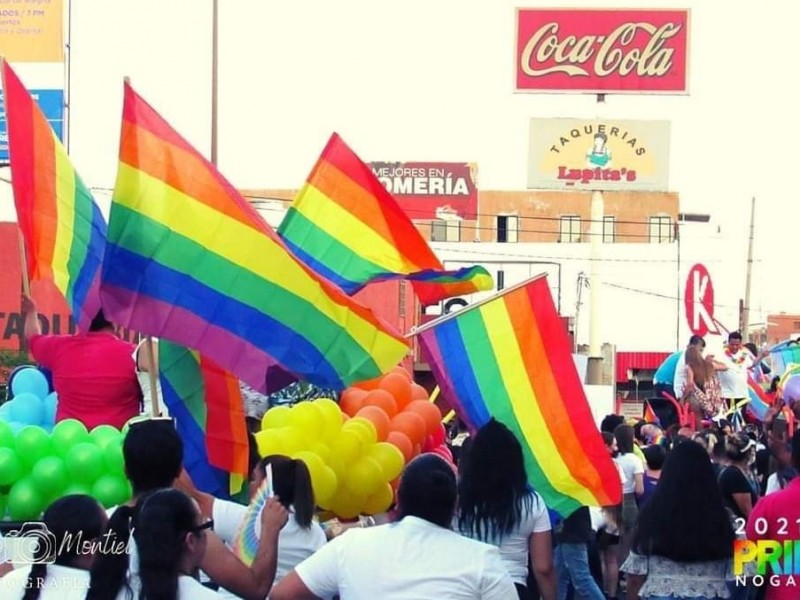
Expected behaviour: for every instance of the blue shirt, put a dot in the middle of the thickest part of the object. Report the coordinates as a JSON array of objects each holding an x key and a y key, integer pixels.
[{"x": 665, "y": 374}]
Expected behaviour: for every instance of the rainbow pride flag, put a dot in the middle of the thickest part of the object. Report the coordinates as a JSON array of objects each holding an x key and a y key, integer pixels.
[
  {"x": 63, "y": 229},
  {"x": 349, "y": 229},
  {"x": 509, "y": 358},
  {"x": 650, "y": 415},
  {"x": 189, "y": 260},
  {"x": 208, "y": 409},
  {"x": 759, "y": 402}
]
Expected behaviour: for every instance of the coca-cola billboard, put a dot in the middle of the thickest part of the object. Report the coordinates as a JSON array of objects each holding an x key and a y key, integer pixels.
[{"x": 602, "y": 51}]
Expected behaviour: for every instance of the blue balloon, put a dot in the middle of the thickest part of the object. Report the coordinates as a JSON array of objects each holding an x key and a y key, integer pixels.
[
  {"x": 16, "y": 427},
  {"x": 27, "y": 409},
  {"x": 50, "y": 407},
  {"x": 30, "y": 381}
]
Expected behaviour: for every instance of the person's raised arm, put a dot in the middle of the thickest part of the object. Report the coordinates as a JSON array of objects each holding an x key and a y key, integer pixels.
[
  {"x": 255, "y": 582},
  {"x": 32, "y": 326}
]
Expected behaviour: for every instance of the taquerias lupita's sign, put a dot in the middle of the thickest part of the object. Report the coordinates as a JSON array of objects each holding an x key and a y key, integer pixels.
[
  {"x": 585, "y": 154},
  {"x": 602, "y": 51}
]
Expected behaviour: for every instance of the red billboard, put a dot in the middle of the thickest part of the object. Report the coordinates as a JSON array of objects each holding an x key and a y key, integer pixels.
[
  {"x": 429, "y": 190},
  {"x": 602, "y": 51}
]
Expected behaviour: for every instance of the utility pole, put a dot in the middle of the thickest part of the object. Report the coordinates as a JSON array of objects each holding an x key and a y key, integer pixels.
[
  {"x": 214, "y": 70},
  {"x": 749, "y": 277},
  {"x": 594, "y": 370}
]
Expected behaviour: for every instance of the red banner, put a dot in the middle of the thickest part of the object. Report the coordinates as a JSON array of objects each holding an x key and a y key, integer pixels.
[
  {"x": 602, "y": 51},
  {"x": 428, "y": 190}
]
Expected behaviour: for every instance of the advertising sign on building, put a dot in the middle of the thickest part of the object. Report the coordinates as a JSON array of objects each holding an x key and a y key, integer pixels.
[
  {"x": 602, "y": 51},
  {"x": 607, "y": 154},
  {"x": 699, "y": 301},
  {"x": 430, "y": 190},
  {"x": 32, "y": 40}
]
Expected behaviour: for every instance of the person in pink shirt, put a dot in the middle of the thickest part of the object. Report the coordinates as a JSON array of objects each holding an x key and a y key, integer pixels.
[
  {"x": 94, "y": 373},
  {"x": 776, "y": 518}
]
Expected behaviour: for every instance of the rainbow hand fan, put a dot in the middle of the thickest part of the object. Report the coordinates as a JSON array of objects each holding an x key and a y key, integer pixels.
[{"x": 247, "y": 537}]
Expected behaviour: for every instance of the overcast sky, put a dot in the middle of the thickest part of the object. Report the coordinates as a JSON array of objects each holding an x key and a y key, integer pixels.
[{"x": 433, "y": 80}]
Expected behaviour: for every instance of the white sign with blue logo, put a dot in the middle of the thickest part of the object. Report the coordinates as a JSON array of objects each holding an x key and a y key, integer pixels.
[{"x": 52, "y": 104}]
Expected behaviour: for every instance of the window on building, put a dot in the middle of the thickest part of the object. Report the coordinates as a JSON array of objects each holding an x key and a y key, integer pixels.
[
  {"x": 609, "y": 229},
  {"x": 507, "y": 228},
  {"x": 569, "y": 229},
  {"x": 443, "y": 230},
  {"x": 660, "y": 230}
]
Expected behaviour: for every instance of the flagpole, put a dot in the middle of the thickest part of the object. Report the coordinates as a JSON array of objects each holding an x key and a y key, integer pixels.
[
  {"x": 23, "y": 259},
  {"x": 431, "y": 324}
]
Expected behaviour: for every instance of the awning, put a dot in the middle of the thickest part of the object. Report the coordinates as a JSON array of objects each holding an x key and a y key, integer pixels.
[{"x": 628, "y": 361}]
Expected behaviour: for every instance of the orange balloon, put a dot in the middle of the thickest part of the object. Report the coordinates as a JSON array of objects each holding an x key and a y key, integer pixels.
[
  {"x": 378, "y": 417},
  {"x": 351, "y": 400},
  {"x": 399, "y": 387},
  {"x": 369, "y": 384},
  {"x": 402, "y": 443},
  {"x": 429, "y": 413},
  {"x": 411, "y": 424},
  {"x": 418, "y": 392},
  {"x": 403, "y": 372},
  {"x": 382, "y": 399}
]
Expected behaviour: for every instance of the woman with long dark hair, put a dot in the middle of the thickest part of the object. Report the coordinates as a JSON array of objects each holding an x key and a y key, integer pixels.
[
  {"x": 64, "y": 553},
  {"x": 170, "y": 535},
  {"x": 738, "y": 483},
  {"x": 702, "y": 390},
  {"x": 496, "y": 505},
  {"x": 683, "y": 543}
]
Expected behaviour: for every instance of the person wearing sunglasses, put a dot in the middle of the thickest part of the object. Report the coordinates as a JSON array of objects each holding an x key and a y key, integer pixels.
[{"x": 172, "y": 537}]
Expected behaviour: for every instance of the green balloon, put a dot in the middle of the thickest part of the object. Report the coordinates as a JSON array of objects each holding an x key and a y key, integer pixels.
[
  {"x": 77, "y": 488},
  {"x": 111, "y": 490},
  {"x": 6, "y": 435},
  {"x": 67, "y": 434},
  {"x": 11, "y": 467},
  {"x": 114, "y": 459},
  {"x": 33, "y": 443},
  {"x": 85, "y": 462},
  {"x": 25, "y": 502},
  {"x": 49, "y": 475},
  {"x": 3, "y": 506},
  {"x": 102, "y": 435}
]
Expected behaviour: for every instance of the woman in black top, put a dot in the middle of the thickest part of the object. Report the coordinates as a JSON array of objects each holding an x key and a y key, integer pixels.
[{"x": 736, "y": 481}]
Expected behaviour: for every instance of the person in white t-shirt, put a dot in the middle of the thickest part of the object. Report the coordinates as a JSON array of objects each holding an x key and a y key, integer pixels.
[
  {"x": 302, "y": 535},
  {"x": 418, "y": 556},
  {"x": 632, "y": 468},
  {"x": 736, "y": 361},
  {"x": 496, "y": 505},
  {"x": 62, "y": 553}
]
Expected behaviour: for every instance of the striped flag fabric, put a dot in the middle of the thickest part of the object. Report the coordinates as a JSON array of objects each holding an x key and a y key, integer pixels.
[
  {"x": 509, "y": 358},
  {"x": 190, "y": 261},
  {"x": 62, "y": 227},
  {"x": 346, "y": 226}
]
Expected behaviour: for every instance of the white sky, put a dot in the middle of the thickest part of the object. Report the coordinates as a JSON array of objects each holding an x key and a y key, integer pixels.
[{"x": 433, "y": 80}]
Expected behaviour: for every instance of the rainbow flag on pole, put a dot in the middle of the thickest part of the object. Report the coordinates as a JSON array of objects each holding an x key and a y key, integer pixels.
[
  {"x": 349, "y": 229},
  {"x": 509, "y": 358},
  {"x": 189, "y": 260},
  {"x": 63, "y": 229},
  {"x": 208, "y": 409}
]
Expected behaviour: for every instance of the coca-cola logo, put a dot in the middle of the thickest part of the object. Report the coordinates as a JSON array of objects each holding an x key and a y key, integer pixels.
[{"x": 623, "y": 51}]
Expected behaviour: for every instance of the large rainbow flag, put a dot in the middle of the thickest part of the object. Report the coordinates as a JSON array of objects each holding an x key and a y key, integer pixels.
[
  {"x": 207, "y": 406},
  {"x": 63, "y": 229},
  {"x": 189, "y": 260},
  {"x": 347, "y": 227},
  {"x": 509, "y": 358}
]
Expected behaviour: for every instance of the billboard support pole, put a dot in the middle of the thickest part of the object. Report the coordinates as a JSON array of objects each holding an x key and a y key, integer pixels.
[
  {"x": 749, "y": 277},
  {"x": 594, "y": 370}
]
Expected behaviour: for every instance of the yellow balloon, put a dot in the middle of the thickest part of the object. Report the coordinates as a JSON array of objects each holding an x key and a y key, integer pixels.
[
  {"x": 320, "y": 449},
  {"x": 293, "y": 440},
  {"x": 364, "y": 428},
  {"x": 270, "y": 441},
  {"x": 307, "y": 418},
  {"x": 325, "y": 486},
  {"x": 337, "y": 463},
  {"x": 346, "y": 504},
  {"x": 389, "y": 457},
  {"x": 347, "y": 445},
  {"x": 331, "y": 416},
  {"x": 275, "y": 417},
  {"x": 379, "y": 501},
  {"x": 364, "y": 476}
]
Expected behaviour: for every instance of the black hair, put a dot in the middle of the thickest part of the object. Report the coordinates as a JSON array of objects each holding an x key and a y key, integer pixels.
[
  {"x": 73, "y": 522},
  {"x": 773, "y": 386},
  {"x": 696, "y": 339},
  {"x": 685, "y": 519},
  {"x": 165, "y": 518},
  {"x": 427, "y": 490},
  {"x": 109, "y": 572},
  {"x": 608, "y": 438},
  {"x": 654, "y": 455},
  {"x": 291, "y": 481},
  {"x": 153, "y": 453},
  {"x": 611, "y": 422},
  {"x": 601, "y": 135},
  {"x": 253, "y": 457},
  {"x": 734, "y": 335},
  {"x": 738, "y": 446},
  {"x": 637, "y": 429},
  {"x": 493, "y": 492},
  {"x": 625, "y": 437},
  {"x": 796, "y": 449},
  {"x": 752, "y": 347},
  {"x": 99, "y": 323}
]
